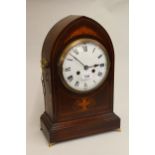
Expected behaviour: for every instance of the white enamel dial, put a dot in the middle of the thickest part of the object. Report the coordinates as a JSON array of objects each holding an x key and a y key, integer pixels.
[{"x": 85, "y": 65}]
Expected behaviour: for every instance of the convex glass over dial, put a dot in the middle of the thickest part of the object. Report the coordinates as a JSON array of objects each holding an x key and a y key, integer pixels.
[{"x": 85, "y": 65}]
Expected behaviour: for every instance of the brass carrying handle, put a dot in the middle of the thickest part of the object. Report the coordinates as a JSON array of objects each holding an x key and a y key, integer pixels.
[{"x": 44, "y": 63}]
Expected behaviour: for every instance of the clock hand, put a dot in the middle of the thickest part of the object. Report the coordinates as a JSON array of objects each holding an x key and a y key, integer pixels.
[
  {"x": 77, "y": 59},
  {"x": 96, "y": 65},
  {"x": 85, "y": 66}
]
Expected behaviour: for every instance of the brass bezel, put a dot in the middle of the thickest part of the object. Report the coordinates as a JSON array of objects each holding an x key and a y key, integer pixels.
[{"x": 64, "y": 53}]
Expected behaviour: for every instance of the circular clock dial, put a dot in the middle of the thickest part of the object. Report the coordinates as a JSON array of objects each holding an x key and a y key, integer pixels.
[{"x": 85, "y": 65}]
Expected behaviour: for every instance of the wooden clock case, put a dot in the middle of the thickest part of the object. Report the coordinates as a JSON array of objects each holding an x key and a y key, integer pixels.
[{"x": 68, "y": 114}]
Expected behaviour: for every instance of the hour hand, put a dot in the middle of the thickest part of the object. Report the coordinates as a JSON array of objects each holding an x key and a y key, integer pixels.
[{"x": 96, "y": 65}]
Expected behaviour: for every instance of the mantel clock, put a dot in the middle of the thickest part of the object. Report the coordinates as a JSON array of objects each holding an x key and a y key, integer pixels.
[{"x": 78, "y": 80}]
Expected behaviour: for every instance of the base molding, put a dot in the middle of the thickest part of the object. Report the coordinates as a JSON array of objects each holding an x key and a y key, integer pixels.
[{"x": 61, "y": 131}]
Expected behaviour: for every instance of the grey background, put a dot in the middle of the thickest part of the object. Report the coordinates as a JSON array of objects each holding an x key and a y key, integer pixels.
[{"x": 41, "y": 16}]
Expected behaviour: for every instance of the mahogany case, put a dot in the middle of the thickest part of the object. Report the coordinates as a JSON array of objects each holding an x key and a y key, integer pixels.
[{"x": 67, "y": 114}]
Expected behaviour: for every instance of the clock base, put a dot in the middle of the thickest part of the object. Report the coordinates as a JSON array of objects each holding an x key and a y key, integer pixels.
[{"x": 61, "y": 131}]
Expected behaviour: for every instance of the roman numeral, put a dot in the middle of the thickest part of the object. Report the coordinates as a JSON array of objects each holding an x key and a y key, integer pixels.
[
  {"x": 77, "y": 84},
  {"x": 70, "y": 78},
  {"x": 76, "y": 51},
  {"x": 85, "y": 85},
  {"x": 99, "y": 73},
  {"x": 70, "y": 59},
  {"x": 101, "y": 65},
  {"x": 93, "y": 50},
  {"x": 84, "y": 48},
  {"x": 100, "y": 56},
  {"x": 67, "y": 69}
]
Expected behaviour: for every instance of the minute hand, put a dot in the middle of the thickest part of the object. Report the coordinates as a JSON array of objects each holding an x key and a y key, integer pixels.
[{"x": 77, "y": 60}]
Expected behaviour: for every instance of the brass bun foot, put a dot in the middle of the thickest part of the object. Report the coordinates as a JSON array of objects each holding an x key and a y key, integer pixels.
[
  {"x": 119, "y": 129},
  {"x": 51, "y": 144}
]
